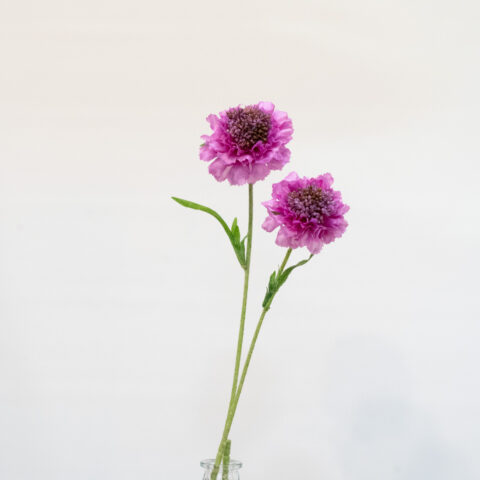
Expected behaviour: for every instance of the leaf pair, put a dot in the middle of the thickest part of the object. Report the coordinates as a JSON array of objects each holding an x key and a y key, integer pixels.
[
  {"x": 277, "y": 279},
  {"x": 233, "y": 233}
]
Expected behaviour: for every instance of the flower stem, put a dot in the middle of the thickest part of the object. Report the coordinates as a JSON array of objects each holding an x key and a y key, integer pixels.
[
  {"x": 255, "y": 336},
  {"x": 228, "y": 422},
  {"x": 226, "y": 460},
  {"x": 285, "y": 260},
  {"x": 234, "y": 403},
  {"x": 245, "y": 292}
]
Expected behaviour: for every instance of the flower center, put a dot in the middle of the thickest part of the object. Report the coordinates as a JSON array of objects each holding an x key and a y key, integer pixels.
[
  {"x": 248, "y": 125},
  {"x": 310, "y": 202}
]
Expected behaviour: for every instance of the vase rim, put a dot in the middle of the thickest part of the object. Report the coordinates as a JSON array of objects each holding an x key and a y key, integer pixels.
[{"x": 210, "y": 462}]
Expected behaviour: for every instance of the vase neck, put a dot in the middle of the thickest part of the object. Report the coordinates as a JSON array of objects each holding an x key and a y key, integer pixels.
[{"x": 231, "y": 473}]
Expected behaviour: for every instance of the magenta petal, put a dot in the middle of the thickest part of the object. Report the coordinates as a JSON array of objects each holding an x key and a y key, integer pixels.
[
  {"x": 314, "y": 245},
  {"x": 238, "y": 174},
  {"x": 280, "y": 160},
  {"x": 206, "y": 153},
  {"x": 269, "y": 224},
  {"x": 284, "y": 239},
  {"x": 268, "y": 107},
  {"x": 258, "y": 172},
  {"x": 219, "y": 170}
]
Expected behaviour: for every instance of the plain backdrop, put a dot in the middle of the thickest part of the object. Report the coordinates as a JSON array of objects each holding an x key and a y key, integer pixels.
[{"x": 119, "y": 309}]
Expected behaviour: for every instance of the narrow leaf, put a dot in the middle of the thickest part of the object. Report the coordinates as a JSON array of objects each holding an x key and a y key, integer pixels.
[
  {"x": 233, "y": 233},
  {"x": 213, "y": 213},
  {"x": 271, "y": 289},
  {"x": 283, "y": 277},
  {"x": 277, "y": 280}
]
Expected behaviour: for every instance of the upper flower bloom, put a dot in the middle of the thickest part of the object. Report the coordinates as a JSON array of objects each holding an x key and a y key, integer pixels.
[
  {"x": 247, "y": 143},
  {"x": 307, "y": 210}
]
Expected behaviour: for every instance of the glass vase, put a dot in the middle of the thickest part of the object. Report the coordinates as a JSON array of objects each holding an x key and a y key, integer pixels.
[{"x": 231, "y": 474}]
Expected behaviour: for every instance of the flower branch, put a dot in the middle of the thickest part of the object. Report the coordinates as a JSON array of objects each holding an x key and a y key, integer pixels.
[{"x": 245, "y": 145}]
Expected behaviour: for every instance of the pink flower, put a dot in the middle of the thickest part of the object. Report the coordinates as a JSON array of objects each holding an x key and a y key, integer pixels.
[
  {"x": 307, "y": 210},
  {"x": 247, "y": 143}
]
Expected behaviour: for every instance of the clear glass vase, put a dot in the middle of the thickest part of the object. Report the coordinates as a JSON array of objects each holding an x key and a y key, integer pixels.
[{"x": 231, "y": 474}]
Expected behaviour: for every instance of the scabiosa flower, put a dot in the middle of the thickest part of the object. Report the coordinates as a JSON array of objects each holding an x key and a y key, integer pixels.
[
  {"x": 307, "y": 210},
  {"x": 247, "y": 143}
]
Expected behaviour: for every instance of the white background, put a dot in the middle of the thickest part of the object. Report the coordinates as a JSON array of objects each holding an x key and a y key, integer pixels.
[{"x": 119, "y": 309}]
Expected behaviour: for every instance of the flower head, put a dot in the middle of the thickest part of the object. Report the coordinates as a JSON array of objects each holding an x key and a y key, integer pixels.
[
  {"x": 247, "y": 143},
  {"x": 307, "y": 210}
]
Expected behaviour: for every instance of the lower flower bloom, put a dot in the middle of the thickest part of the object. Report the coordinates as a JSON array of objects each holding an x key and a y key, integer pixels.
[{"x": 307, "y": 210}]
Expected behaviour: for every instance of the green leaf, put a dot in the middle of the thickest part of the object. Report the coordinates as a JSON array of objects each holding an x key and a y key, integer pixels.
[
  {"x": 233, "y": 233},
  {"x": 238, "y": 245},
  {"x": 271, "y": 289},
  {"x": 283, "y": 277},
  {"x": 197, "y": 206},
  {"x": 277, "y": 279},
  {"x": 242, "y": 249}
]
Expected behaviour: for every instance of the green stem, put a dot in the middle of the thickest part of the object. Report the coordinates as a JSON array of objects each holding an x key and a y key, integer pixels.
[
  {"x": 223, "y": 441},
  {"x": 233, "y": 405},
  {"x": 285, "y": 260},
  {"x": 226, "y": 460},
  {"x": 245, "y": 292}
]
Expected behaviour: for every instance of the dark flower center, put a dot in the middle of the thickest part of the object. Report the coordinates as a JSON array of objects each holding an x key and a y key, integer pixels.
[
  {"x": 310, "y": 202},
  {"x": 248, "y": 125}
]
